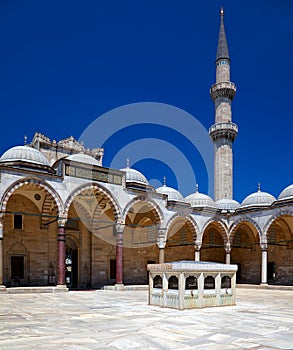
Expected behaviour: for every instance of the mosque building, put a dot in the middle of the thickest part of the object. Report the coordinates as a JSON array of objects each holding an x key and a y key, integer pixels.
[{"x": 68, "y": 221}]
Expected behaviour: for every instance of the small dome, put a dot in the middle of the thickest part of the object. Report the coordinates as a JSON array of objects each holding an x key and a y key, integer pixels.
[
  {"x": 25, "y": 154},
  {"x": 133, "y": 175},
  {"x": 173, "y": 195},
  {"x": 227, "y": 204},
  {"x": 83, "y": 158},
  {"x": 258, "y": 198},
  {"x": 287, "y": 192},
  {"x": 199, "y": 200}
]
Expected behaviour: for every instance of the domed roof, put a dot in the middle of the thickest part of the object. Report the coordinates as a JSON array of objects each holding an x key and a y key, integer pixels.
[
  {"x": 83, "y": 158},
  {"x": 227, "y": 204},
  {"x": 173, "y": 195},
  {"x": 199, "y": 200},
  {"x": 133, "y": 175},
  {"x": 26, "y": 154},
  {"x": 258, "y": 198},
  {"x": 287, "y": 192}
]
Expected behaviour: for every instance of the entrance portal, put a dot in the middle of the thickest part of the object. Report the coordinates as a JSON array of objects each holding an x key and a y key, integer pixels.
[{"x": 71, "y": 263}]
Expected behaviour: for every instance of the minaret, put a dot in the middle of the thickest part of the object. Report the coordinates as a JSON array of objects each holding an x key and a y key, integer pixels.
[{"x": 223, "y": 132}]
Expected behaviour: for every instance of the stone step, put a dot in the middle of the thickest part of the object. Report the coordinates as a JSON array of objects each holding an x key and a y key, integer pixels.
[{"x": 27, "y": 290}]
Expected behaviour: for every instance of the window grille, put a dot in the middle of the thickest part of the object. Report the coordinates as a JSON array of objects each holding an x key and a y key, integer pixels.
[{"x": 191, "y": 283}]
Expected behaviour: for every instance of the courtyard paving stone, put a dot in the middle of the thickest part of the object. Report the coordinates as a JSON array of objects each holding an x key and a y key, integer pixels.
[{"x": 261, "y": 319}]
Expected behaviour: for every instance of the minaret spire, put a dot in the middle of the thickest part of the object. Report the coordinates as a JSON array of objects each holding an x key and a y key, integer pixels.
[
  {"x": 223, "y": 132},
  {"x": 222, "y": 51}
]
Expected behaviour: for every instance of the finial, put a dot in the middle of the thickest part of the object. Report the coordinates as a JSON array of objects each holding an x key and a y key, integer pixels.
[
  {"x": 127, "y": 162},
  {"x": 258, "y": 187},
  {"x": 164, "y": 180},
  {"x": 25, "y": 139},
  {"x": 196, "y": 188},
  {"x": 222, "y": 11}
]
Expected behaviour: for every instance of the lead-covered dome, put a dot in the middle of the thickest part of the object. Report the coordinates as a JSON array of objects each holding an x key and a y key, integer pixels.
[
  {"x": 227, "y": 204},
  {"x": 134, "y": 176},
  {"x": 24, "y": 154},
  {"x": 287, "y": 192},
  {"x": 173, "y": 195},
  {"x": 83, "y": 158},
  {"x": 198, "y": 200},
  {"x": 258, "y": 198}
]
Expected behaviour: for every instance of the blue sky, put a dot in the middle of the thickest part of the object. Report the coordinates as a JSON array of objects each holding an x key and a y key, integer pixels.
[{"x": 65, "y": 63}]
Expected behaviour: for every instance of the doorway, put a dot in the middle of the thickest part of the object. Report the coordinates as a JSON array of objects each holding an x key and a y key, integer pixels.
[
  {"x": 71, "y": 263},
  {"x": 271, "y": 274},
  {"x": 17, "y": 268}
]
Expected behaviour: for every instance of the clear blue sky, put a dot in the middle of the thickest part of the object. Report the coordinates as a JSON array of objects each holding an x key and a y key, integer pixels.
[{"x": 65, "y": 63}]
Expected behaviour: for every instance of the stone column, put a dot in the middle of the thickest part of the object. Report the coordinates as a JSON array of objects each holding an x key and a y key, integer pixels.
[
  {"x": 161, "y": 244},
  {"x": 264, "y": 262},
  {"x": 228, "y": 253},
  {"x": 2, "y": 287},
  {"x": 181, "y": 290},
  {"x": 119, "y": 255},
  {"x": 61, "y": 252}
]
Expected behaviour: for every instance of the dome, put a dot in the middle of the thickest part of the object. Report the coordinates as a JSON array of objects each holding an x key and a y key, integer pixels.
[
  {"x": 199, "y": 200},
  {"x": 258, "y": 198},
  {"x": 133, "y": 175},
  {"x": 173, "y": 195},
  {"x": 25, "y": 154},
  {"x": 227, "y": 204},
  {"x": 83, "y": 158},
  {"x": 287, "y": 192}
]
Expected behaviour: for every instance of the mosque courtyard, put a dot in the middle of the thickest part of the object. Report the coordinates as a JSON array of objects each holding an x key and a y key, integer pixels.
[{"x": 105, "y": 319}]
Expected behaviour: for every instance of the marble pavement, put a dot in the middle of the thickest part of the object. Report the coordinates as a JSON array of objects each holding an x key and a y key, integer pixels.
[{"x": 262, "y": 319}]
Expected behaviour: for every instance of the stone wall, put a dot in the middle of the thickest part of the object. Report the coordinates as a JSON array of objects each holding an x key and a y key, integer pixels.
[{"x": 37, "y": 246}]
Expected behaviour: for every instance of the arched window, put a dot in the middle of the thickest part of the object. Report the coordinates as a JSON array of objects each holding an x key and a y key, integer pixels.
[
  {"x": 191, "y": 283},
  {"x": 173, "y": 282},
  {"x": 209, "y": 282},
  {"x": 158, "y": 282},
  {"x": 226, "y": 282}
]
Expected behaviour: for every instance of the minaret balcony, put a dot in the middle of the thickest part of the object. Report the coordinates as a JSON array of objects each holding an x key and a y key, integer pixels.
[
  {"x": 223, "y": 130},
  {"x": 225, "y": 89}
]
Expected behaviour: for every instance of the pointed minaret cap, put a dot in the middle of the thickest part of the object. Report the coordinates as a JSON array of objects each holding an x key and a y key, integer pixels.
[{"x": 222, "y": 51}]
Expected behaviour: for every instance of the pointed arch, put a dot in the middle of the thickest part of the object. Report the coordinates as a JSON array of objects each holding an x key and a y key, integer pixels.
[
  {"x": 221, "y": 226},
  {"x": 244, "y": 219},
  {"x": 100, "y": 190},
  {"x": 274, "y": 217},
  {"x": 31, "y": 180},
  {"x": 191, "y": 222},
  {"x": 157, "y": 210}
]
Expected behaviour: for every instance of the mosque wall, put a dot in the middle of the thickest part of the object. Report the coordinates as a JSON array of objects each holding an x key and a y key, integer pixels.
[
  {"x": 135, "y": 262},
  {"x": 102, "y": 254},
  {"x": 30, "y": 245},
  {"x": 249, "y": 264},
  {"x": 280, "y": 260},
  {"x": 176, "y": 253}
]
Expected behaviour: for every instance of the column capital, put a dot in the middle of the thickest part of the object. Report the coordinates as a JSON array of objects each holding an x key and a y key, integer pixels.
[
  {"x": 119, "y": 227},
  {"x": 197, "y": 245},
  {"x": 162, "y": 232},
  {"x": 62, "y": 221},
  {"x": 264, "y": 244},
  {"x": 161, "y": 242},
  {"x": 228, "y": 247}
]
